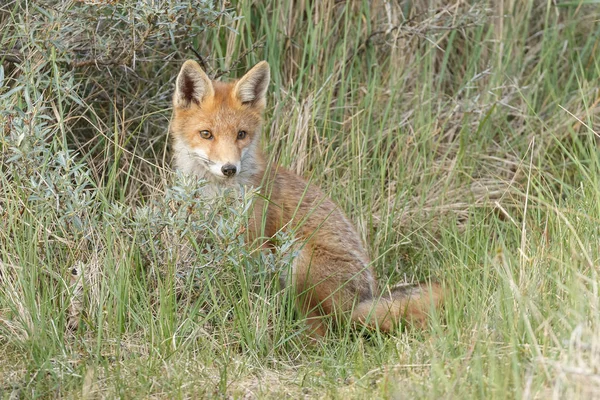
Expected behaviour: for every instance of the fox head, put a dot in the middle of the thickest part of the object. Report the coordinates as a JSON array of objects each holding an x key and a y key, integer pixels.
[{"x": 216, "y": 125}]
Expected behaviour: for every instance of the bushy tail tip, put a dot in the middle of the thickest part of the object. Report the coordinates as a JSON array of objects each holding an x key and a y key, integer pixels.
[{"x": 410, "y": 303}]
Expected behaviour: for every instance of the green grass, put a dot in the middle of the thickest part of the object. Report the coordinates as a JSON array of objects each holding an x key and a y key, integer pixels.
[{"x": 461, "y": 140}]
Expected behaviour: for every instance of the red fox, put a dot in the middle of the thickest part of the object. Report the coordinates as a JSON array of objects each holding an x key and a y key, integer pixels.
[{"x": 216, "y": 130}]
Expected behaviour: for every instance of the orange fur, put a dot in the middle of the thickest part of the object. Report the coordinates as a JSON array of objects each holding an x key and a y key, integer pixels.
[{"x": 331, "y": 274}]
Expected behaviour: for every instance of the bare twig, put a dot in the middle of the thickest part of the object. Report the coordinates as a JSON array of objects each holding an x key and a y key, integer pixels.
[
  {"x": 220, "y": 73},
  {"x": 200, "y": 59}
]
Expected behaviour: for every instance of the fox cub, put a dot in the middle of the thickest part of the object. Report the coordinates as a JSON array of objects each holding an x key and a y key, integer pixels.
[{"x": 216, "y": 130}]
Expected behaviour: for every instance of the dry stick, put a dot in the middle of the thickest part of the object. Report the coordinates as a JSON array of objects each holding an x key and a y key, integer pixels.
[
  {"x": 75, "y": 296},
  {"x": 200, "y": 59},
  {"x": 239, "y": 59},
  {"x": 220, "y": 72},
  {"x": 203, "y": 64}
]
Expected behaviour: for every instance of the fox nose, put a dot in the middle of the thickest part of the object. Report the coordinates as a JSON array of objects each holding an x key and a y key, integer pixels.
[{"x": 228, "y": 170}]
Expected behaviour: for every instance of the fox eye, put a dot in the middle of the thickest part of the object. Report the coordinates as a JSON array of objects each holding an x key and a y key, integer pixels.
[
  {"x": 206, "y": 135},
  {"x": 242, "y": 135}
]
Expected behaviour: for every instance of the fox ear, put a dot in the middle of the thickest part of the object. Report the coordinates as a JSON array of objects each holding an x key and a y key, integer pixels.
[
  {"x": 192, "y": 86},
  {"x": 252, "y": 87}
]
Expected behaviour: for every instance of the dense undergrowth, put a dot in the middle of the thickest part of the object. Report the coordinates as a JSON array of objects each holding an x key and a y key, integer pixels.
[{"x": 460, "y": 137}]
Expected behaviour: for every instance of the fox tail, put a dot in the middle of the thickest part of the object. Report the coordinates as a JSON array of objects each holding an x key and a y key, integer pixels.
[{"x": 410, "y": 303}]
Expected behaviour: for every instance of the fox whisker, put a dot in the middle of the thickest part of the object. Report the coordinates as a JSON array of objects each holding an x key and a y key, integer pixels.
[{"x": 203, "y": 159}]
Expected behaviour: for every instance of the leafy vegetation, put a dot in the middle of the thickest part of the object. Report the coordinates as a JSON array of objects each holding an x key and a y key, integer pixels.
[{"x": 460, "y": 137}]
